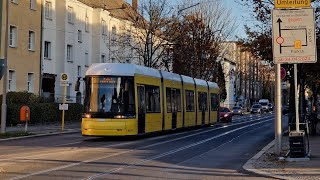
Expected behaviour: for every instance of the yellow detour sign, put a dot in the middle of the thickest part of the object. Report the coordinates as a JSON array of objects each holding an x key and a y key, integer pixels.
[{"x": 292, "y": 4}]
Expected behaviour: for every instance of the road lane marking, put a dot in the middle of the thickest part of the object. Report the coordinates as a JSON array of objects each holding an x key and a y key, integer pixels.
[
  {"x": 168, "y": 153},
  {"x": 27, "y": 155},
  {"x": 116, "y": 154}
]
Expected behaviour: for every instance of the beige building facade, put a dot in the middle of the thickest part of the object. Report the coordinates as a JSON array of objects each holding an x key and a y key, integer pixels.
[{"x": 24, "y": 44}]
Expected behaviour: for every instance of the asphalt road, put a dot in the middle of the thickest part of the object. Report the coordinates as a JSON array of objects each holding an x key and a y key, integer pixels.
[{"x": 215, "y": 152}]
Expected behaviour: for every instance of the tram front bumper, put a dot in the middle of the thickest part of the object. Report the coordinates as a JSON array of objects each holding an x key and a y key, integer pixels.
[{"x": 107, "y": 127}]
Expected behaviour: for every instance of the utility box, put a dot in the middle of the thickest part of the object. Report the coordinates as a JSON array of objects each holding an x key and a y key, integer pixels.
[{"x": 297, "y": 144}]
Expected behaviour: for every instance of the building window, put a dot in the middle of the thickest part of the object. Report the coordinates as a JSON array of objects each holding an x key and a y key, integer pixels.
[
  {"x": 32, "y": 38},
  {"x": 87, "y": 59},
  {"x": 30, "y": 82},
  {"x": 47, "y": 50},
  {"x": 104, "y": 27},
  {"x": 69, "y": 52},
  {"x": 114, "y": 34},
  {"x": 113, "y": 60},
  {"x": 11, "y": 81},
  {"x": 48, "y": 10},
  {"x": 79, "y": 71},
  {"x": 79, "y": 36},
  {"x": 13, "y": 36},
  {"x": 103, "y": 58},
  {"x": 15, "y": 1},
  {"x": 33, "y": 4},
  {"x": 70, "y": 15},
  {"x": 86, "y": 23}
]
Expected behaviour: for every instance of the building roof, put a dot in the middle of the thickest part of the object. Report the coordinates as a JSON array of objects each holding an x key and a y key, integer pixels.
[{"x": 113, "y": 6}]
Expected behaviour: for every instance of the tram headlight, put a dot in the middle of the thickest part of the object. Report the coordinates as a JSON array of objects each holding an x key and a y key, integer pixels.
[{"x": 120, "y": 117}]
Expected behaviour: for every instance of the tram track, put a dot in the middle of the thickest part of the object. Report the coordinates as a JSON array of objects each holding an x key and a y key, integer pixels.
[
  {"x": 79, "y": 149},
  {"x": 231, "y": 128}
]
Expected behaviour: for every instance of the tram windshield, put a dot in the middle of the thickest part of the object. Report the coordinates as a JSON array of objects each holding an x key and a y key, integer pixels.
[{"x": 106, "y": 94}]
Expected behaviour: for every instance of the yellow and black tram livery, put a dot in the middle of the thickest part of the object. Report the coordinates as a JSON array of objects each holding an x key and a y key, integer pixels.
[{"x": 127, "y": 99}]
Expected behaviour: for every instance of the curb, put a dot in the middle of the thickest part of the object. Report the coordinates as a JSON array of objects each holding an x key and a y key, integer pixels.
[
  {"x": 248, "y": 166},
  {"x": 40, "y": 135}
]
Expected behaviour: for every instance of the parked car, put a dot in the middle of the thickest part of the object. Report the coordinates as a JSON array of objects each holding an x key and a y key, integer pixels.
[
  {"x": 257, "y": 108},
  {"x": 237, "y": 110},
  {"x": 225, "y": 114}
]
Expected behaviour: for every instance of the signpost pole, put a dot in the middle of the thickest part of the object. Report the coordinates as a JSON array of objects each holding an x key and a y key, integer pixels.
[
  {"x": 296, "y": 96},
  {"x": 63, "y": 102},
  {"x": 278, "y": 120}
]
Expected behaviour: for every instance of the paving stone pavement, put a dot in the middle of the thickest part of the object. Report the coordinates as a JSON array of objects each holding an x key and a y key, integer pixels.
[{"x": 268, "y": 164}]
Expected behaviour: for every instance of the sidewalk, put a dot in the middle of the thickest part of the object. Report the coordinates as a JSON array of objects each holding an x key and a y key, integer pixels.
[
  {"x": 266, "y": 163},
  {"x": 44, "y": 129}
]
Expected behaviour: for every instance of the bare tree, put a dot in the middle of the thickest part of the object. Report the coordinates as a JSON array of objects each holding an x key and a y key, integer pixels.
[{"x": 145, "y": 35}]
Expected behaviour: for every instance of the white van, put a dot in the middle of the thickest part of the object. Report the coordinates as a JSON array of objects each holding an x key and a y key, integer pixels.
[{"x": 264, "y": 103}]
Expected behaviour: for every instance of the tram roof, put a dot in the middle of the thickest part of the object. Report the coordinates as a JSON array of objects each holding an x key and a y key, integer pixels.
[
  {"x": 200, "y": 82},
  {"x": 213, "y": 85},
  {"x": 187, "y": 79},
  {"x": 119, "y": 69},
  {"x": 171, "y": 76}
]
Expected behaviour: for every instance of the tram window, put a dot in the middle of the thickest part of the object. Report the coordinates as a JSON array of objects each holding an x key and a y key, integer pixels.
[
  {"x": 214, "y": 102},
  {"x": 168, "y": 95},
  {"x": 189, "y": 101},
  {"x": 178, "y": 100},
  {"x": 152, "y": 99},
  {"x": 202, "y": 101},
  {"x": 107, "y": 94}
]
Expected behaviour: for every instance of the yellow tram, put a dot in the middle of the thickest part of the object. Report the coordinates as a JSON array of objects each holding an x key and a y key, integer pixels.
[{"x": 127, "y": 99}]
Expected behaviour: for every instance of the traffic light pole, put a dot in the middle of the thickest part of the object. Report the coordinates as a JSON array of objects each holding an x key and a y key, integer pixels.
[{"x": 5, "y": 76}]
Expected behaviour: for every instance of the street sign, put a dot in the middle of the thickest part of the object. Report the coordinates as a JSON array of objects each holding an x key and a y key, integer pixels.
[
  {"x": 293, "y": 34},
  {"x": 292, "y": 3},
  {"x": 283, "y": 73},
  {"x": 64, "y": 107},
  {"x": 64, "y": 79}
]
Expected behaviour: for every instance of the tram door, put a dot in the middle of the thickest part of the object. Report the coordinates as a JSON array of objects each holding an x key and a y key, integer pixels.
[
  {"x": 174, "y": 109},
  {"x": 141, "y": 110}
]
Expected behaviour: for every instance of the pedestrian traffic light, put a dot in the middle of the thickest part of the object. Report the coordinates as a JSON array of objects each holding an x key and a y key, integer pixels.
[{"x": 2, "y": 68}]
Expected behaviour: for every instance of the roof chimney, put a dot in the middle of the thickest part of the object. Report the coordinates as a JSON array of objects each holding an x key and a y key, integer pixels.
[{"x": 135, "y": 5}]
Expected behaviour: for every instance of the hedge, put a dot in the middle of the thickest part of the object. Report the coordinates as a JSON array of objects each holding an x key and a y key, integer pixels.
[{"x": 41, "y": 111}]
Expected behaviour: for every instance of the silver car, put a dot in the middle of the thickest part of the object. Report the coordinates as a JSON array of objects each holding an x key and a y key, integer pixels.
[{"x": 237, "y": 110}]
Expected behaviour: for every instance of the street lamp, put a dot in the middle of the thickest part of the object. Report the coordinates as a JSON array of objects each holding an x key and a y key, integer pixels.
[
  {"x": 180, "y": 10},
  {"x": 5, "y": 76}
]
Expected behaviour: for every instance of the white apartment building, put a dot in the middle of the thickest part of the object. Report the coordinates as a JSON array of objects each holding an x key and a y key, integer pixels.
[
  {"x": 77, "y": 33},
  {"x": 228, "y": 60}
]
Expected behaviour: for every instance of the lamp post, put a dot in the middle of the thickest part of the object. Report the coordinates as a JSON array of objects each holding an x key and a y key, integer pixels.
[{"x": 5, "y": 76}]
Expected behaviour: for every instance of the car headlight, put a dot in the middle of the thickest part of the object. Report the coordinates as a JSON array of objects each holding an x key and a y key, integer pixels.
[{"x": 226, "y": 115}]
